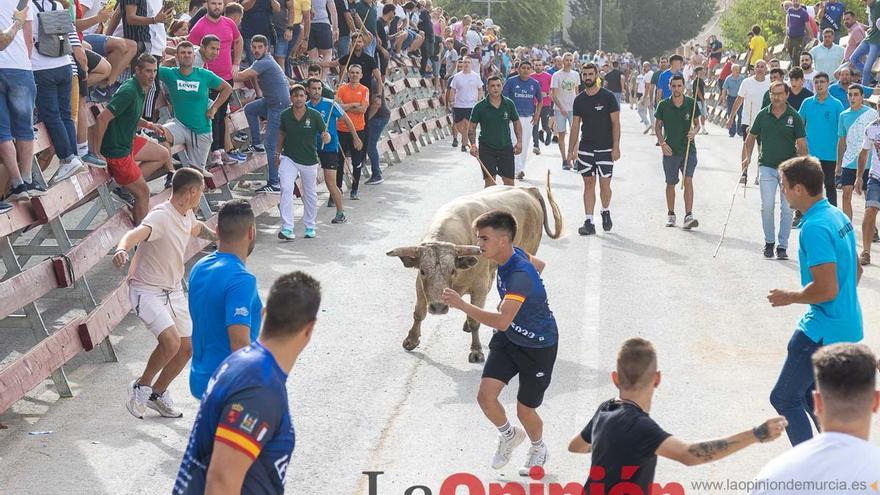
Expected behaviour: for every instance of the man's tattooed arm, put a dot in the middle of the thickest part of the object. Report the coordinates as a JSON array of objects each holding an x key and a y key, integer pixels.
[
  {"x": 206, "y": 233},
  {"x": 709, "y": 451}
]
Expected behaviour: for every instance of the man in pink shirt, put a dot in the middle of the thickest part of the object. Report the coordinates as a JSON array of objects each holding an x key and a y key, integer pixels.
[
  {"x": 461, "y": 27},
  {"x": 856, "y": 31},
  {"x": 546, "y": 134},
  {"x": 225, "y": 65}
]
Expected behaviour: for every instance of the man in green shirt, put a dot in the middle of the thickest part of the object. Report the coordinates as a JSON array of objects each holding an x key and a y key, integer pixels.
[
  {"x": 188, "y": 88},
  {"x": 494, "y": 113},
  {"x": 674, "y": 116},
  {"x": 121, "y": 146},
  {"x": 781, "y": 132},
  {"x": 300, "y": 126}
]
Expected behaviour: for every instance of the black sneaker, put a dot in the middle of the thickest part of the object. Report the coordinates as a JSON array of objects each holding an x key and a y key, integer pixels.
[
  {"x": 464, "y": 148},
  {"x": 35, "y": 190},
  {"x": 339, "y": 218},
  {"x": 566, "y": 165},
  {"x": 269, "y": 189},
  {"x": 768, "y": 250},
  {"x": 18, "y": 193},
  {"x": 548, "y": 139},
  {"x": 168, "y": 177},
  {"x": 606, "y": 221},
  {"x": 455, "y": 143},
  {"x": 781, "y": 254},
  {"x": 124, "y": 195},
  {"x": 375, "y": 181},
  {"x": 587, "y": 229}
]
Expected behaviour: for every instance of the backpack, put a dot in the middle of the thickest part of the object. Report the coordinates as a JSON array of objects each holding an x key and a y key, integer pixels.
[{"x": 54, "y": 26}]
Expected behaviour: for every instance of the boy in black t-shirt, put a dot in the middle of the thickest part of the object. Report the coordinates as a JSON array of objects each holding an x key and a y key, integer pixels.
[{"x": 621, "y": 434}]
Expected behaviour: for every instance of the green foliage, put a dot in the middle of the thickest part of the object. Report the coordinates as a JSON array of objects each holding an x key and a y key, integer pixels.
[{"x": 522, "y": 21}]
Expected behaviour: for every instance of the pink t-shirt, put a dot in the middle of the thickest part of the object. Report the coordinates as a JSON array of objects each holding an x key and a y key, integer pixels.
[
  {"x": 458, "y": 31},
  {"x": 544, "y": 80},
  {"x": 856, "y": 35},
  {"x": 227, "y": 31},
  {"x": 158, "y": 261}
]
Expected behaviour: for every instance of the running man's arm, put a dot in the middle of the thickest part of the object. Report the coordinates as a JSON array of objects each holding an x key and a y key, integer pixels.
[
  {"x": 500, "y": 321},
  {"x": 615, "y": 135},
  {"x": 129, "y": 240},
  {"x": 579, "y": 446},
  {"x": 204, "y": 232},
  {"x": 822, "y": 289},
  {"x": 692, "y": 454},
  {"x": 538, "y": 264}
]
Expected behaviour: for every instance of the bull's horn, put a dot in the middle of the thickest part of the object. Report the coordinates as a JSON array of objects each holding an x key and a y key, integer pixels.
[
  {"x": 410, "y": 251},
  {"x": 467, "y": 251}
]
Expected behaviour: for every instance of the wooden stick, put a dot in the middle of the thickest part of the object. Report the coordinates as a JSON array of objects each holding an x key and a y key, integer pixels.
[
  {"x": 486, "y": 170},
  {"x": 687, "y": 150},
  {"x": 724, "y": 229}
]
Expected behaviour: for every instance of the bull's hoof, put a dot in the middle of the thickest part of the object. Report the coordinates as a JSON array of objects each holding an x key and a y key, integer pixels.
[
  {"x": 410, "y": 344},
  {"x": 476, "y": 357}
]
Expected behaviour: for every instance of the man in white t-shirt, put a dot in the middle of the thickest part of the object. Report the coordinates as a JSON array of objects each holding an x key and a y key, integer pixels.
[
  {"x": 563, "y": 90},
  {"x": 846, "y": 399},
  {"x": 465, "y": 90},
  {"x": 750, "y": 98},
  {"x": 156, "y": 292}
]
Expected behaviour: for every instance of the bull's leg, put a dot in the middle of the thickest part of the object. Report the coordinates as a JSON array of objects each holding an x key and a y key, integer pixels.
[
  {"x": 478, "y": 299},
  {"x": 415, "y": 332}
]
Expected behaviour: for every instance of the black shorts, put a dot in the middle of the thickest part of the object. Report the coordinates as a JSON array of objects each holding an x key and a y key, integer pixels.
[
  {"x": 93, "y": 59},
  {"x": 459, "y": 114},
  {"x": 498, "y": 162},
  {"x": 592, "y": 162},
  {"x": 329, "y": 159},
  {"x": 320, "y": 37},
  {"x": 848, "y": 177},
  {"x": 533, "y": 365}
]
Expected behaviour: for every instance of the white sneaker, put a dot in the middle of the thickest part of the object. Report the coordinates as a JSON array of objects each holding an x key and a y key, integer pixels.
[
  {"x": 505, "y": 447},
  {"x": 216, "y": 158},
  {"x": 705, "y": 132},
  {"x": 690, "y": 222},
  {"x": 537, "y": 456},
  {"x": 65, "y": 170},
  {"x": 164, "y": 406},
  {"x": 138, "y": 395},
  {"x": 670, "y": 220}
]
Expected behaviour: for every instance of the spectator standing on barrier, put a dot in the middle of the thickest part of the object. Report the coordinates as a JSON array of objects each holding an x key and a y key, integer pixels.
[
  {"x": 496, "y": 150},
  {"x": 298, "y": 157},
  {"x": 136, "y": 23},
  {"x": 830, "y": 14},
  {"x": 465, "y": 90},
  {"x": 354, "y": 98},
  {"x": 851, "y": 134},
  {"x": 597, "y": 147},
  {"x": 730, "y": 90},
  {"x": 119, "y": 143},
  {"x": 525, "y": 93},
  {"x": 292, "y": 25},
  {"x": 830, "y": 273},
  {"x": 869, "y": 48},
  {"x": 821, "y": 114},
  {"x": 328, "y": 153},
  {"x": 155, "y": 292},
  {"x": 846, "y": 399},
  {"x": 564, "y": 88},
  {"x": 621, "y": 436},
  {"x": 257, "y": 19},
  {"x": 243, "y": 436},
  {"x": 270, "y": 76},
  {"x": 699, "y": 92},
  {"x": 223, "y": 300},
  {"x": 855, "y": 31},
  {"x": 828, "y": 55},
  {"x": 225, "y": 65},
  {"x": 17, "y": 93},
  {"x": 378, "y": 117},
  {"x": 757, "y": 48},
  {"x": 345, "y": 13},
  {"x": 797, "y": 35},
  {"x": 780, "y": 132},
  {"x": 188, "y": 88},
  {"x": 324, "y": 32},
  {"x": 675, "y": 132},
  {"x": 716, "y": 51},
  {"x": 545, "y": 134}
]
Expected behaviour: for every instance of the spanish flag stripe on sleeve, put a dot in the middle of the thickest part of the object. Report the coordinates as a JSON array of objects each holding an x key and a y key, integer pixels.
[
  {"x": 238, "y": 440},
  {"x": 515, "y": 297}
]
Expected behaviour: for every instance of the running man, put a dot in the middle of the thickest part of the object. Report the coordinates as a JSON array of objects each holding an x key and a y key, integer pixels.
[
  {"x": 821, "y": 114},
  {"x": 851, "y": 133},
  {"x": 544, "y": 135},
  {"x": 595, "y": 150},
  {"x": 563, "y": 90},
  {"x": 830, "y": 273},
  {"x": 675, "y": 132},
  {"x": 465, "y": 90},
  {"x": 525, "y": 343},
  {"x": 525, "y": 93},
  {"x": 300, "y": 127},
  {"x": 155, "y": 290},
  {"x": 494, "y": 114},
  {"x": 781, "y": 134},
  {"x": 243, "y": 436}
]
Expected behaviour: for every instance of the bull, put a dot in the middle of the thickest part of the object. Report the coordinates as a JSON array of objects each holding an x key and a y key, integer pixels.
[{"x": 447, "y": 256}]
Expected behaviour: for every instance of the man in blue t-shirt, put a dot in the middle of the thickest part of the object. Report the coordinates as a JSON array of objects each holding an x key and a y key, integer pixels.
[
  {"x": 830, "y": 272},
  {"x": 675, "y": 64},
  {"x": 841, "y": 88},
  {"x": 525, "y": 93},
  {"x": 851, "y": 135},
  {"x": 223, "y": 300},
  {"x": 830, "y": 13},
  {"x": 328, "y": 154},
  {"x": 821, "y": 114},
  {"x": 524, "y": 343},
  {"x": 243, "y": 436}
]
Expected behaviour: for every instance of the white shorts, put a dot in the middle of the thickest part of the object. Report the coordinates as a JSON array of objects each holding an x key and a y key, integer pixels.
[
  {"x": 160, "y": 308},
  {"x": 196, "y": 147}
]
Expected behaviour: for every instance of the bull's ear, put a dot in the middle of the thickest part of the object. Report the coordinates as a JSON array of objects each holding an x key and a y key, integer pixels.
[
  {"x": 408, "y": 255},
  {"x": 465, "y": 262}
]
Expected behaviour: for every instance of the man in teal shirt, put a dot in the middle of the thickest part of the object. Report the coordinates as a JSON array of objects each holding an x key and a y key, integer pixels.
[
  {"x": 821, "y": 114},
  {"x": 188, "y": 89},
  {"x": 851, "y": 134},
  {"x": 830, "y": 273}
]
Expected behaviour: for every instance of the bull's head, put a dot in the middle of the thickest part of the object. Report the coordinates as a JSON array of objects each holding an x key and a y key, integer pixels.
[{"x": 438, "y": 264}]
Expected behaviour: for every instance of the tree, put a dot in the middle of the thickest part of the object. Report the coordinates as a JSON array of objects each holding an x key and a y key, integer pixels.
[
  {"x": 584, "y": 28},
  {"x": 522, "y": 22}
]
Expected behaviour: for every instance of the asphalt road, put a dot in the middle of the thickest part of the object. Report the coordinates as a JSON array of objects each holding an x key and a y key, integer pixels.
[{"x": 362, "y": 403}]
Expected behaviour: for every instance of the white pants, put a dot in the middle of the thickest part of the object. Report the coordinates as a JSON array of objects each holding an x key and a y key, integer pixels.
[
  {"x": 288, "y": 172},
  {"x": 520, "y": 159}
]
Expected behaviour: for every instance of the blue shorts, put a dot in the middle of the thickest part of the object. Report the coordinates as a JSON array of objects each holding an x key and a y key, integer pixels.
[
  {"x": 872, "y": 196},
  {"x": 410, "y": 37},
  {"x": 17, "y": 93},
  {"x": 282, "y": 46},
  {"x": 672, "y": 166},
  {"x": 98, "y": 42},
  {"x": 563, "y": 123}
]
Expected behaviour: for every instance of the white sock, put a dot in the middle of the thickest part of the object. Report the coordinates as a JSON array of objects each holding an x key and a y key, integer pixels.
[
  {"x": 605, "y": 209},
  {"x": 538, "y": 443},
  {"x": 506, "y": 430},
  {"x": 82, "y": 149},
  {"x": 590, "y": 218}
]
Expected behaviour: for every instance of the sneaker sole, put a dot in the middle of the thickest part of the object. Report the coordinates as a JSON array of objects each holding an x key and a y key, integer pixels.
[
  {"x": 161, "y": 413},
  {"x": 19, "y": 197},
  {"x": 132, "y": 411},
  {"x": 692, "y": 225},
  {"x": 71, "y": 173}
]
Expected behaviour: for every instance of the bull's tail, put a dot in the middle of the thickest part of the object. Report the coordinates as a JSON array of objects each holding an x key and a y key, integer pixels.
[{"x": 557, "y": 214}]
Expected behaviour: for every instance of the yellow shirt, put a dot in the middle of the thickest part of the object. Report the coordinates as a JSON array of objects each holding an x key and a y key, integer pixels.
[
  {"x": 300, "y": 6},
  {"x": 758, "y": 45}
]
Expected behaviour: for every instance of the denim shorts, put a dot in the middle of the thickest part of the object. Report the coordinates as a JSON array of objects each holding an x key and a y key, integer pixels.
[
  {"x": 282, "y": 46},
  {"x": 672, "y": 166},
  {"x": 563, "y": 123},
  {"x": 872, "y": 196},
  {"x": 410, "y": 37},
  {"x": 98, "y": 42},
  {"x": 17, "y": 94}
]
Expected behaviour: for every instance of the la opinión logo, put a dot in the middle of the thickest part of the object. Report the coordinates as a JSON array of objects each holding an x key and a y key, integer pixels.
[{"x": 473, "y": 485}]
